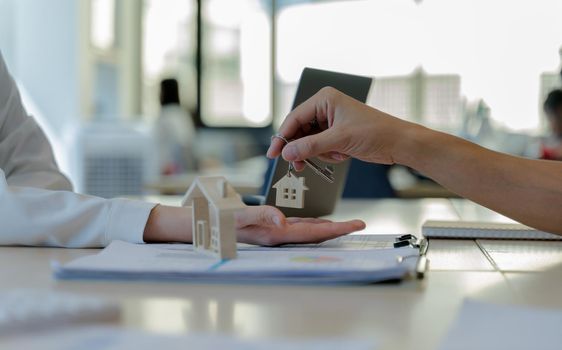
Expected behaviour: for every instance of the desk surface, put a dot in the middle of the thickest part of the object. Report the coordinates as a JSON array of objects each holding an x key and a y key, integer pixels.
[{"x": 408, "y": 315}]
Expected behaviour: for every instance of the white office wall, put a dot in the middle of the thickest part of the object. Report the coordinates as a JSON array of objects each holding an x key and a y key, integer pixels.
[
  {"x": 39, "y": 40},
  {"x": 6, "y": 24}
]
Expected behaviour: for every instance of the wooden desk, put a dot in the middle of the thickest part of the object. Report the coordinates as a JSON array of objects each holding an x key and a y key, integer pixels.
[{"x": 408, "y": 315}]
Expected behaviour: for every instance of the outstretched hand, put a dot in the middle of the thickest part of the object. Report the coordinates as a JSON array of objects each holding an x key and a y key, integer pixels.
[
  {"x": 261, "y": 225},
  {"x": 266, "y": 225}
]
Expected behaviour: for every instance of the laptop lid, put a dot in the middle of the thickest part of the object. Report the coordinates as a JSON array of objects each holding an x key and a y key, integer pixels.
[{"x": 322, "y": 196}]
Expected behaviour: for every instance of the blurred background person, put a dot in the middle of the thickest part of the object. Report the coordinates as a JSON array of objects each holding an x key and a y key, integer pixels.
[
  {"x": 174, "y": 131},
  {"x": 552, "y": 145}
]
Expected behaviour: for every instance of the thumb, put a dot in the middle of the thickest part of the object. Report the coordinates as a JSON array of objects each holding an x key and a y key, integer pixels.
[{"x": 312, "y": 146}]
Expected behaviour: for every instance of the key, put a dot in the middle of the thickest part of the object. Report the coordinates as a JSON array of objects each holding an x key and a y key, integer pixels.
[{"x": 326, "y": 173}]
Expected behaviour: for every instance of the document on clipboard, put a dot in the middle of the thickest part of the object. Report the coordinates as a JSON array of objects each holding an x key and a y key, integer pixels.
[
  {"x": 286, "y": 265},
  {"x": 367, "y": 242}
]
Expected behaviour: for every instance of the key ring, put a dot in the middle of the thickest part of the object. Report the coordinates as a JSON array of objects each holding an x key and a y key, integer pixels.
[
  {"x": 290, "y": 169},
  {"x": 282, "y": 138},
  {"x": 327, "y": 173}
]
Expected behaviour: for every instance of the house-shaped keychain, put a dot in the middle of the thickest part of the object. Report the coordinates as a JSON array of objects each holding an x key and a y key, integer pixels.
[{"x": 290, "y": 191}]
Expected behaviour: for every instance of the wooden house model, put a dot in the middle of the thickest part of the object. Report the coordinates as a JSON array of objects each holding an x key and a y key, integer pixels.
[{"x": 214, "y": 202}]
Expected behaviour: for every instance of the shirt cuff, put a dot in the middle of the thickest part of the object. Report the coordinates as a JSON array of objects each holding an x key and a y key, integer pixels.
[{"x": 127, "y": 219}]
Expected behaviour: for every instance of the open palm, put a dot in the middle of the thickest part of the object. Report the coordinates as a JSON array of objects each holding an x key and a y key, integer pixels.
[{"x": 266, "y": 225}]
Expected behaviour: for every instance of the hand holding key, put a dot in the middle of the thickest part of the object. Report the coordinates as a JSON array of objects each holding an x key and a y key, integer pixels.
[
  {"x": 333, "y": 126},
  {"x": 326, "y": 173}
]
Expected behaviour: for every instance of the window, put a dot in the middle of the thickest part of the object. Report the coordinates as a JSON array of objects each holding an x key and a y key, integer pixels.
[
  {"x": 236, "y": 68},
  {"x": 102, "y": 31},
  {"x": 429, "y": 57},
  {"x": 494, "y": 50},
  {"x": 168, "y": 50}
]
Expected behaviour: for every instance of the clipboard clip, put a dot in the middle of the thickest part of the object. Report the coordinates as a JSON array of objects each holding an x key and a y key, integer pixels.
[{"x": 422, "y": 244}]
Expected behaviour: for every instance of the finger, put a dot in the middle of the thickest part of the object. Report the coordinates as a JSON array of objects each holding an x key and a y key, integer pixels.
[
  {"x": 275, "y": 148},
  {"x": 299, "y": 166},
  {"x": 317, "y": 107},
  {"x": 323, "y": 124},
  {"x": 312, "y": 146},
  {"x": 313, "y": 233},
  {"x": 259, "y": 216},
  {"x": 294, "y": 220},
  {"x": 298, "y": 122},
  {"x": 297, "y": 233},
  {"x": 332, "y": 157},
  {"x": 301, "y": 117},
  {"x": 277, "y": 143}
]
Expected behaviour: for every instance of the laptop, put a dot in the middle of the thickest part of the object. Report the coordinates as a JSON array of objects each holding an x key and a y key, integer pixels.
[{"x": 322, "y": 196}]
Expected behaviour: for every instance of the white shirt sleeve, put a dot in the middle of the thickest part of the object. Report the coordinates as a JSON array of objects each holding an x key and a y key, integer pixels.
[
  {"x": 36, "y": 205},
  {"x": 25, "y": 153},
  {"x": 39, "y": 217}
]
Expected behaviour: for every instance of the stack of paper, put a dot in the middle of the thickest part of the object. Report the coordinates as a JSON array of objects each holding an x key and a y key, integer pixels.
[
  {"x": 489, "y": 230},
  {"x": 122, "y": 260}
]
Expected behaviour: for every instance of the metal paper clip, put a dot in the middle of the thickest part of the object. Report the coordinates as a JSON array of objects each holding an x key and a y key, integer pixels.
[{"x": 327, "y": 173}]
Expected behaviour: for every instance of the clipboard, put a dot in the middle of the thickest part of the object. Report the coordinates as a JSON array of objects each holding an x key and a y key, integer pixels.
[
  {"x": 370, "y": 241},
  {"x": 300, "y": 265}
]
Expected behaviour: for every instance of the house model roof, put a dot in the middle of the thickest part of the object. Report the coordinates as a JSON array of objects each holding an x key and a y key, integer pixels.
[
  {"x": 216, "y": 190},
  {"x": 292, "y": 182}
]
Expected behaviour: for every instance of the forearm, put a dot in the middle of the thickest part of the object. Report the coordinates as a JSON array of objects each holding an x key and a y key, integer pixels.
[
  {"x": 168, "y": 224},
  {"x": 529, "y": 191}
]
